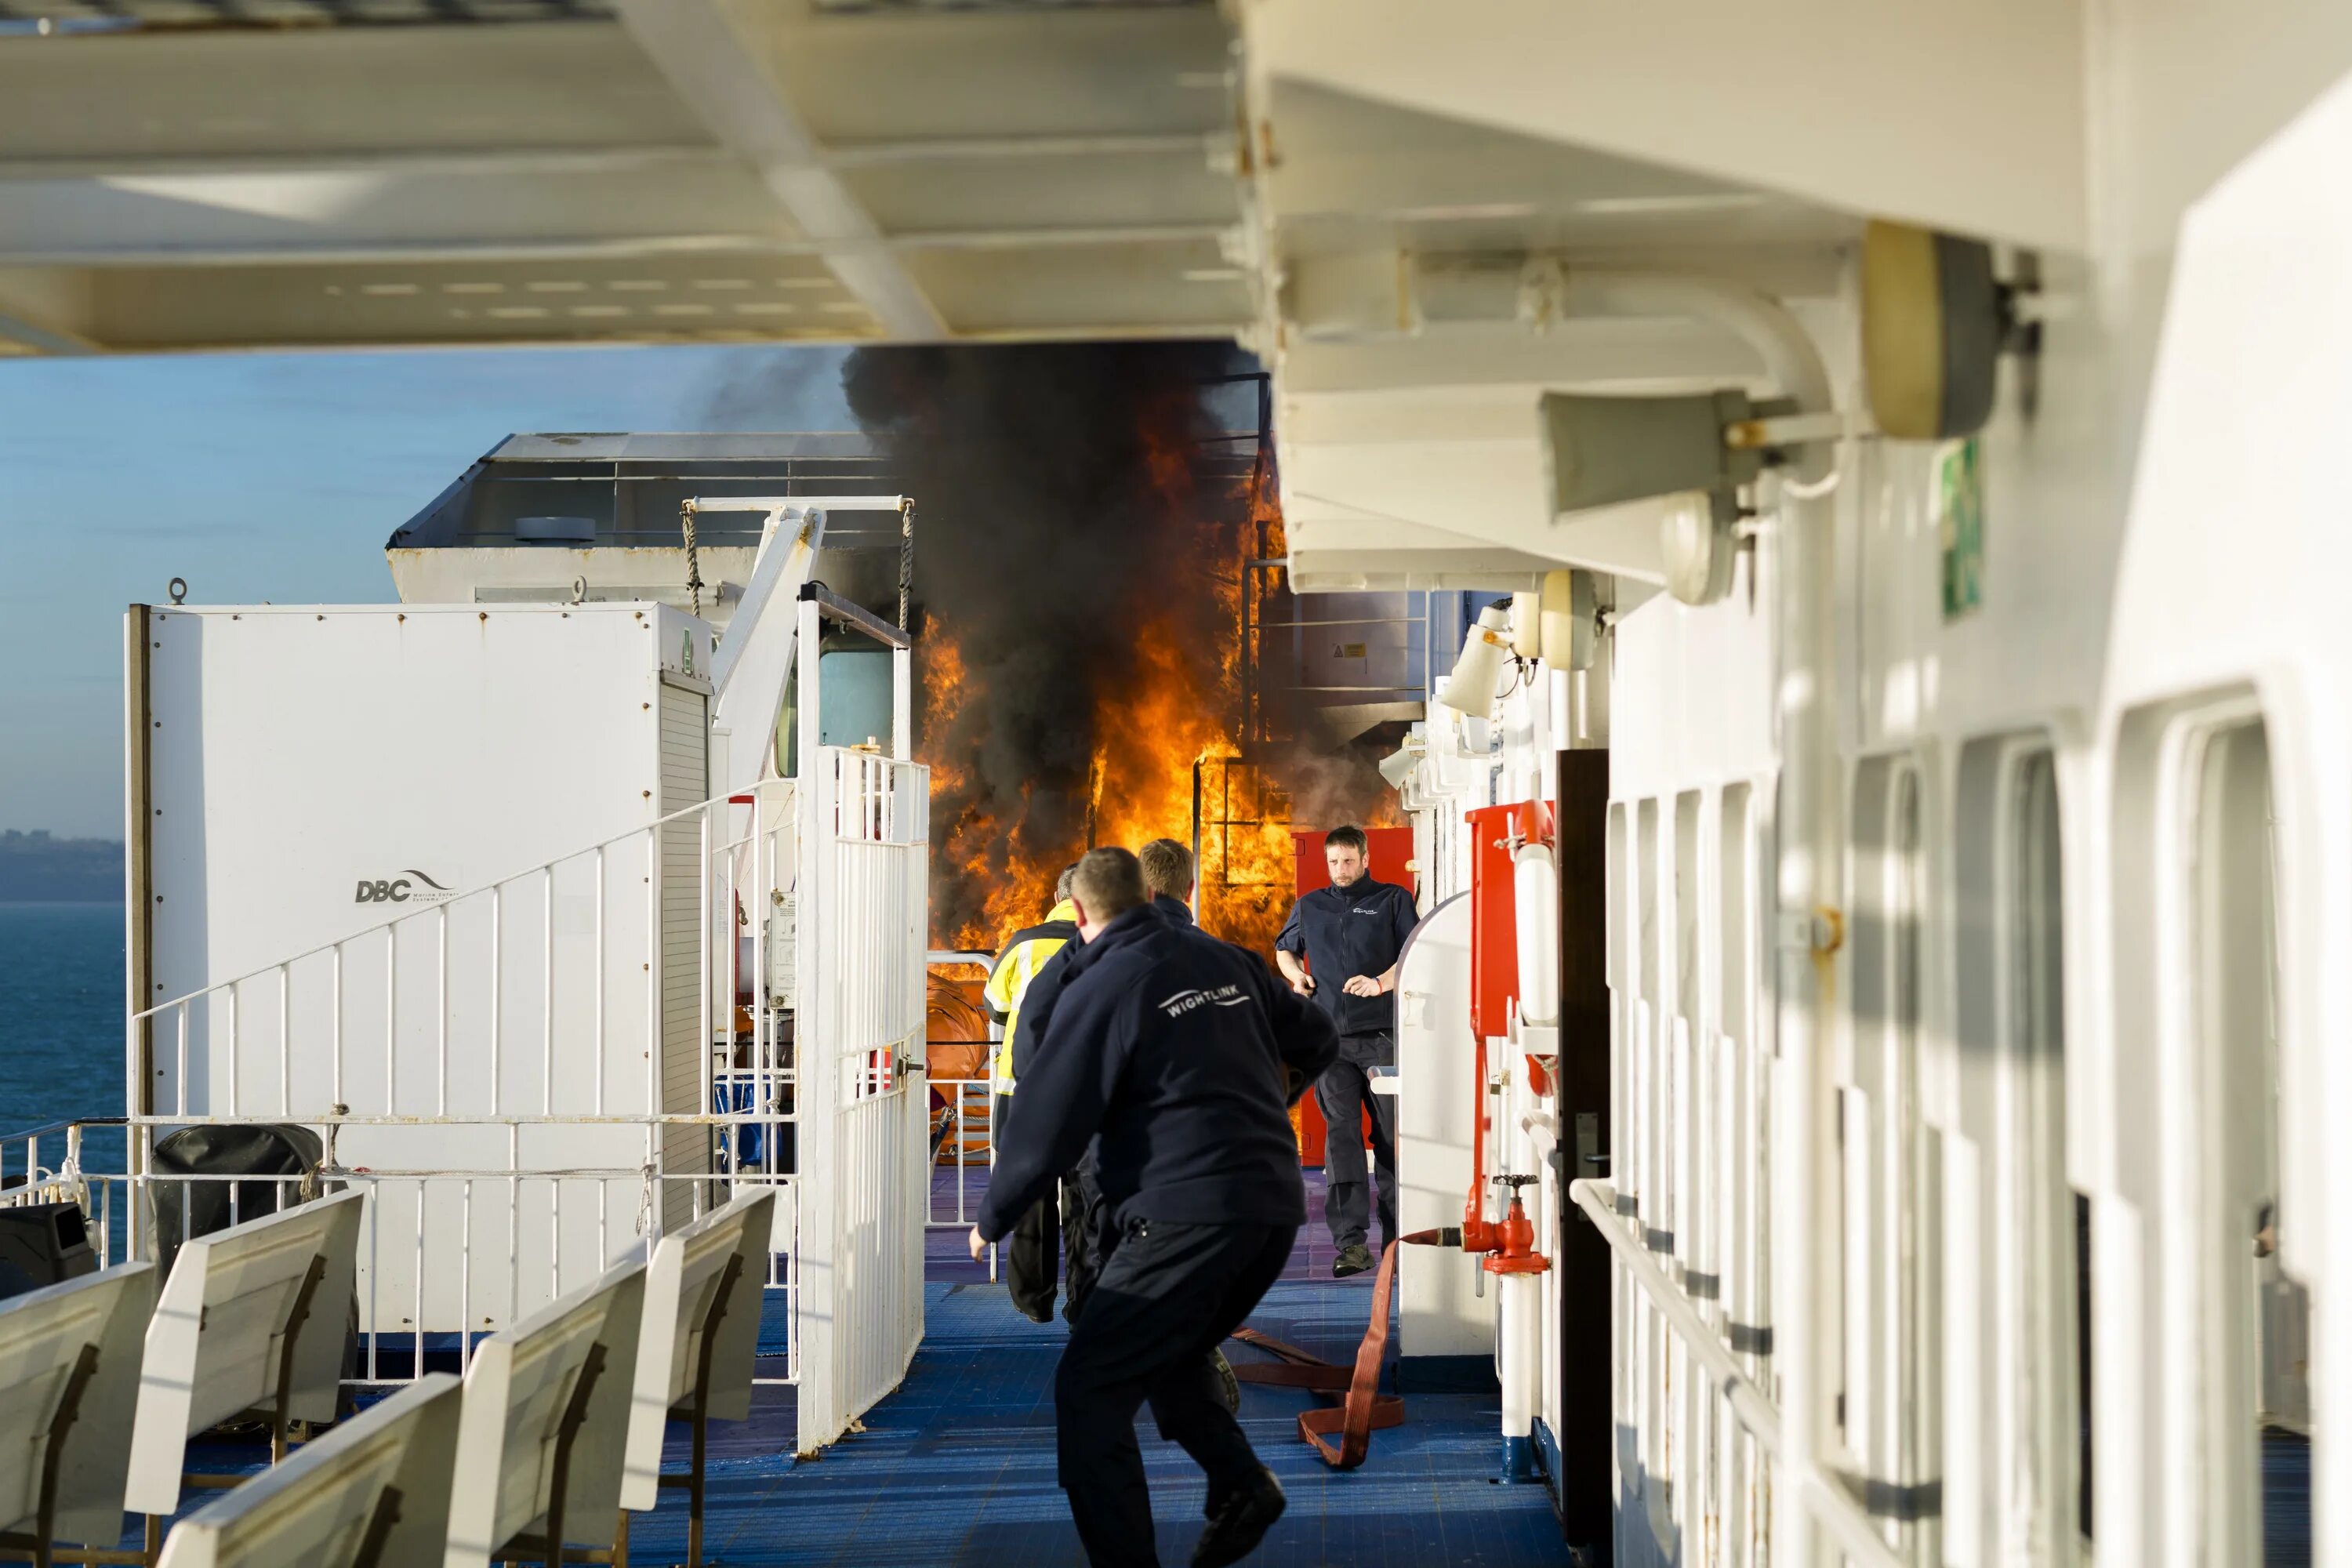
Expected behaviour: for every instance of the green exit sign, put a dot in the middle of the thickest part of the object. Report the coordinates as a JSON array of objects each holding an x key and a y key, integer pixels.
[{"x": 1961, "y": 525}]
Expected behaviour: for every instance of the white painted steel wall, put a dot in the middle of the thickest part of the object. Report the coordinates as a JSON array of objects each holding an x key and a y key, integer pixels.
[
  {"x": 296, "y": 754},
  {"x": 2161, "y": 648}
]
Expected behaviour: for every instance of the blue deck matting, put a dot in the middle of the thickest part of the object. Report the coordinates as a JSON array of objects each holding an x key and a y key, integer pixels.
[{"x": 957, "y": 1467}]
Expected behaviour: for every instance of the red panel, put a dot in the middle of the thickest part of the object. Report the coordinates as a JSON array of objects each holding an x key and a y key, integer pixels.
[
  {"x": 1391, "y": 860},
  {"x": 1494, "y": 922}
]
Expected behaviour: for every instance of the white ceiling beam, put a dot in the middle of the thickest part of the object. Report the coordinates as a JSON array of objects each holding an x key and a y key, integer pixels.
[
  {"x": 63, "y": 251},
  {"x": 1015, "y": 149},
  {"x": 40, "y": 251},
  {"x": 511, "y": 161},
  {"x": 469, "y": 161},
  {"x": 720, "y": 74}
]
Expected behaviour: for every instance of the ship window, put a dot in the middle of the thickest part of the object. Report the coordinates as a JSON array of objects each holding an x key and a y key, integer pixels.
[{"x": 2256, "y": 1319}]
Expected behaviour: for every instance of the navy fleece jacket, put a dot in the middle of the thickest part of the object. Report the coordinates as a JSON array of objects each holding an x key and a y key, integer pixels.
[
  {"x": 1164, "y": 1054},
  {"x": 1037, "y": 1002}
]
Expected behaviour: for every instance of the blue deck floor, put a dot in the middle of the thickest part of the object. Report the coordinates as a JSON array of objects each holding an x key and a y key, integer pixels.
[{"x": 957, "y": 1467}]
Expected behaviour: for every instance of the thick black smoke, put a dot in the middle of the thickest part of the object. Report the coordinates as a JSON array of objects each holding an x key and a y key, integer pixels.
[{"x": 1053, "y": 491}]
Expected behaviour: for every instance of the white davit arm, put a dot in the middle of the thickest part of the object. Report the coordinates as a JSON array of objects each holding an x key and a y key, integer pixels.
[{"x": 754, "y": 658}]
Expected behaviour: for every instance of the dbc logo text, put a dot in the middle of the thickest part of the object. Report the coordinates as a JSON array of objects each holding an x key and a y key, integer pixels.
[{"x": 391, "y": 892}]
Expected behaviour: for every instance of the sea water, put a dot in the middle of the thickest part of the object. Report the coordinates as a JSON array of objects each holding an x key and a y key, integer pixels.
[
  {"x": 60, "y": 1013},
  {"x": 62, "y": 1039}
]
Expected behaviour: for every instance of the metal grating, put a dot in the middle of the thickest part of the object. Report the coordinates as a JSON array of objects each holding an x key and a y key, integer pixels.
[{"x": 20, "y": 16}]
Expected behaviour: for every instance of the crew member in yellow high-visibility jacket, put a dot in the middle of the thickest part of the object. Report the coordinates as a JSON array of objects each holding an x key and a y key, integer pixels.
[{"x": 1032, "y": 1263}]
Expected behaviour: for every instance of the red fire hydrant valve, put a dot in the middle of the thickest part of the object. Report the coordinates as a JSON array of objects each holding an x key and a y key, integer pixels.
[{"x": 1515, "y": 1236}]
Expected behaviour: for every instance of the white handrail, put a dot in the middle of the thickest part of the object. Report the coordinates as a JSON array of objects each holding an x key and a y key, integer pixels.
[
  {"x": 479, "y": 890},
  {"x": 1825, "y": 1498}
]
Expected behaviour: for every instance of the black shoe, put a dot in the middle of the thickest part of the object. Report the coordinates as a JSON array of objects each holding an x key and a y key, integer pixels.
[
  {"x": 1354, "y": 1258},
  {"x": 1240, "y": 1522},
  {"x": 1229, "y": 1387}
]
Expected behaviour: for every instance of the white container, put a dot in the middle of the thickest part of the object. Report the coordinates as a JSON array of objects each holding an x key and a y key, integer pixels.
[{"x": 304, "y": 774}]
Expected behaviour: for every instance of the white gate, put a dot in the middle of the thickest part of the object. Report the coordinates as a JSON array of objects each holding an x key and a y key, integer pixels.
[{"x": 863, "y": 916}]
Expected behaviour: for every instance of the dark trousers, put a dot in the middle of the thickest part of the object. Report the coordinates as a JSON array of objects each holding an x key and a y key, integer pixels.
[
  {"x": 1033, "y": 1253},
  {"x": 1083, "y": 1243},
  {"x": 1343, "y": 1092},
  {"x": 1168, "y": 1295}
]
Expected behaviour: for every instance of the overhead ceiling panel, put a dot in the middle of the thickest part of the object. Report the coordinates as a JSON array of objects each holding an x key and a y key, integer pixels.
[
  {"x": 640, "y": 300},
  {"x": 927, "y": 74},
  {"x": 308, "y": 94},
  {"x": 702, "y": 203},
  {"x": 1160, "y": 189},
  {"x": 1350, "y": 172},
  {"x": 1157, "y": 287}
]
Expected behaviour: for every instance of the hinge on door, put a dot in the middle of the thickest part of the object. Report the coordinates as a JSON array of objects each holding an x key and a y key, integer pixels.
[{"x": 1807, "y": 930}]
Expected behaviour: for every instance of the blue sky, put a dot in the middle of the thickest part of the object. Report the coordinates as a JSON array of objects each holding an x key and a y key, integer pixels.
[{"x": 274, "y": 477}]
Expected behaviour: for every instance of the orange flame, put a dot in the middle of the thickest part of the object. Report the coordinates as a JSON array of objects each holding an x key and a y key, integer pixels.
[{"x": 1179, "y": 715}]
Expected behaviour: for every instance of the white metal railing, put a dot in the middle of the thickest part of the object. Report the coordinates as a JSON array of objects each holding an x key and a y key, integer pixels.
[
  {"x": 546, "y": 1068},
  {"x": 965, "y": 1096},
  {"x": 106, "y": 1196},
  {"x": 1824, "y": 1497},
  {"x": 536, "y": 1078}
]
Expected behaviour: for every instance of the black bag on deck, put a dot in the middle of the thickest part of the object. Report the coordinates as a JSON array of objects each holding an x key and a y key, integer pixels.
[{"x": 277, "y": 1156}]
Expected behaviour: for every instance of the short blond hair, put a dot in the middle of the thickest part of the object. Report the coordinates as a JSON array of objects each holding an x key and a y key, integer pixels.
[
  {"x": 1167, "y": 868},
  {"x": 1108, "y": 883}
]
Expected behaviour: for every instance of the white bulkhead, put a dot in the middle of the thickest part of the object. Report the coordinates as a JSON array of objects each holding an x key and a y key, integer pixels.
[{"x": 393, "y": 736}]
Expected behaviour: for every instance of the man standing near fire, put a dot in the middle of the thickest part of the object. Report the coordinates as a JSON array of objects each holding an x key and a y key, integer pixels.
[
  {"x": 1167, "y": 1056},
  {"x": 1350, "y": 935}
]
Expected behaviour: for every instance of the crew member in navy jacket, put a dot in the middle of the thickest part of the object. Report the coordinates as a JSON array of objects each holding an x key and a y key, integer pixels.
[
  {"x": 1173, "y": 1055},
  {"x": 1352, "y": 935},
  {"x": 1167, "y": 881}
]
